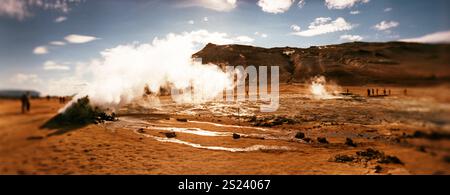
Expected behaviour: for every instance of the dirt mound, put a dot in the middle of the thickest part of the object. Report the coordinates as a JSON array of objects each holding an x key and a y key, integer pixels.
[{"x": 80, "y": 113}]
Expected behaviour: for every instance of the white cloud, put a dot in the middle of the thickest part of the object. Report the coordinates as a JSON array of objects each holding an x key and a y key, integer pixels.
[
  {"x": 262, "y": 35},
  {"x": 351, "y": 38},
  {"x": 275, "y": 6},
  {"x": 204, "y": 37},
  {"x": 301, "y": 3},
  {"x": 325, "y": 25},
  {"x": 388, "y": 9},
  {"x": 57, "y": 43},
  {"x": 355, "y": 12},
  {"x": 244, "y": 39},
  {"x": 21, "y": 9},
  {"x": 21, "y": 78},
  {"x": 217, "y": 5},
  {"x": 191, "y": 22},
  {"x": 14, "y": 9},
  {"x": 385, "y": 25},
  {"x": 437, "y": 37},
  {"x": 295, "y": 28},
  {"x": 342, "y": 4},
  {"x": 51, "y": 65},
  {"x": 40, "y": 50},
  {"x": 205, "y": 19},
  {"x": 74, "y": 38},
  {"x": 60, "y": 19}
]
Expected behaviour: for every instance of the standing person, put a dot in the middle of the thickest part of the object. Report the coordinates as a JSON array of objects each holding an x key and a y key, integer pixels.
[{"x": 25, "y": 99}]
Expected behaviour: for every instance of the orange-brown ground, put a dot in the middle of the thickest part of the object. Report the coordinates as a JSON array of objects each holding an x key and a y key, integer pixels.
[{"x": 127, "y": 146}]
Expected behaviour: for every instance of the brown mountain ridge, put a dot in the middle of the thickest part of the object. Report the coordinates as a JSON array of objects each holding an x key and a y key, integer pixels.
[{"x": 356, "y": 63}]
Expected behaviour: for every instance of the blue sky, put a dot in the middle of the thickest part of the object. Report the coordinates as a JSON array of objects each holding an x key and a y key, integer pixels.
[{"x": 36, "y": 46}]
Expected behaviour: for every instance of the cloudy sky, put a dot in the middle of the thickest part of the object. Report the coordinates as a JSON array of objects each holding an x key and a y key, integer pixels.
[{"x": 46, "y": 44}]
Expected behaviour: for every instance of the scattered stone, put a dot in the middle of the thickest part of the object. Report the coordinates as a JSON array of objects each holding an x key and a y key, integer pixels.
[
  {"x": 299, "y": 135},
  {"x": 350, "y": 142},
  {"x": 236, "y": 136},
  {"x": 170, "y": 134},
  {"x": 322, "y": 140},
  {"x": 35, "y": 138},
  {"x": 434, "y": 135},
  {"x": 447, "y": 159},
  {"x": 389, "y": 160},
  {"x": 141, "y": 130},
  {"x": 182, "y": 120},
  {"x": 307, "y": 139},
  {"x": 370, "y": 153},
  {"x": 271, "y": 121},
  {"x": 343, "y": 158},
  {"x": 378, "y": 169},
  {"x": 421, "y": 149}
]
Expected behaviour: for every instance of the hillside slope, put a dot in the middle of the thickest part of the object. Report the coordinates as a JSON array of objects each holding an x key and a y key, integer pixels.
[{"x": 355, "y": 63}]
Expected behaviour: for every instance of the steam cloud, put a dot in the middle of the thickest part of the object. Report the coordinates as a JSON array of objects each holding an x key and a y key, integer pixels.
[
  {"x": 319, "y": 91},
  {"x": 123, "y": 72}
]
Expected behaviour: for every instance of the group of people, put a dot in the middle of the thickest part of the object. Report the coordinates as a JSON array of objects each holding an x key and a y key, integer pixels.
[
  {"x": 374, "y": 92},
  {"x": 26, "y": 104}
]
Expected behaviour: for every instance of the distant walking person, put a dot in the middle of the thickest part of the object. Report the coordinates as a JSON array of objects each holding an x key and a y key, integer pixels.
[{"x": 25, "y": 102}]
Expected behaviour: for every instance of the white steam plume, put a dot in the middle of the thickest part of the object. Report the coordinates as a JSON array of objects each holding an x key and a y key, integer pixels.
[
  {"x": 318, "y": 89},
  {"x": 123, "y": 72}
]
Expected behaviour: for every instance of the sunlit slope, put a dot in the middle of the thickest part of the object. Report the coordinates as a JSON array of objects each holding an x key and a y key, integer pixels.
[{"x": 355, "y": 63}]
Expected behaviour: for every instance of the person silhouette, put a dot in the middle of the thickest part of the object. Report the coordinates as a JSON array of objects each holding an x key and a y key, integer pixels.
[{"x": 25, "y": 99}]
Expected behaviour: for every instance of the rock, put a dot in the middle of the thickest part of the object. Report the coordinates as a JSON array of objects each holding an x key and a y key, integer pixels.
[
  {"x": 141, "y": 130},
  {"x": 389, "y": 160},
  {"x": 182, "y": 120},
  {"x": 170, "y": 134},
  {"x": 35, "y": 138},
  {"x": 322, "y": 140},
  {"x": 307, "y": 139},
  {"x": 421, "y": 149},
  {"x": 299, "y": 135},
  {"x": 432, "y": 136},
  {"x": 236, "y": 136},
  {"x": 343, "y": 158},
  {"x": 447, "y": 159},
  {"x": 370, "y": 153},
  {"x": 378, "y": 169},
  {"x": 349, "y": 142}
]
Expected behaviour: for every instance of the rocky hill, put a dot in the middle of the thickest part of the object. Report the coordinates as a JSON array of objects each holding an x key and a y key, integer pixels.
[{"x": 355, "y": 63}]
